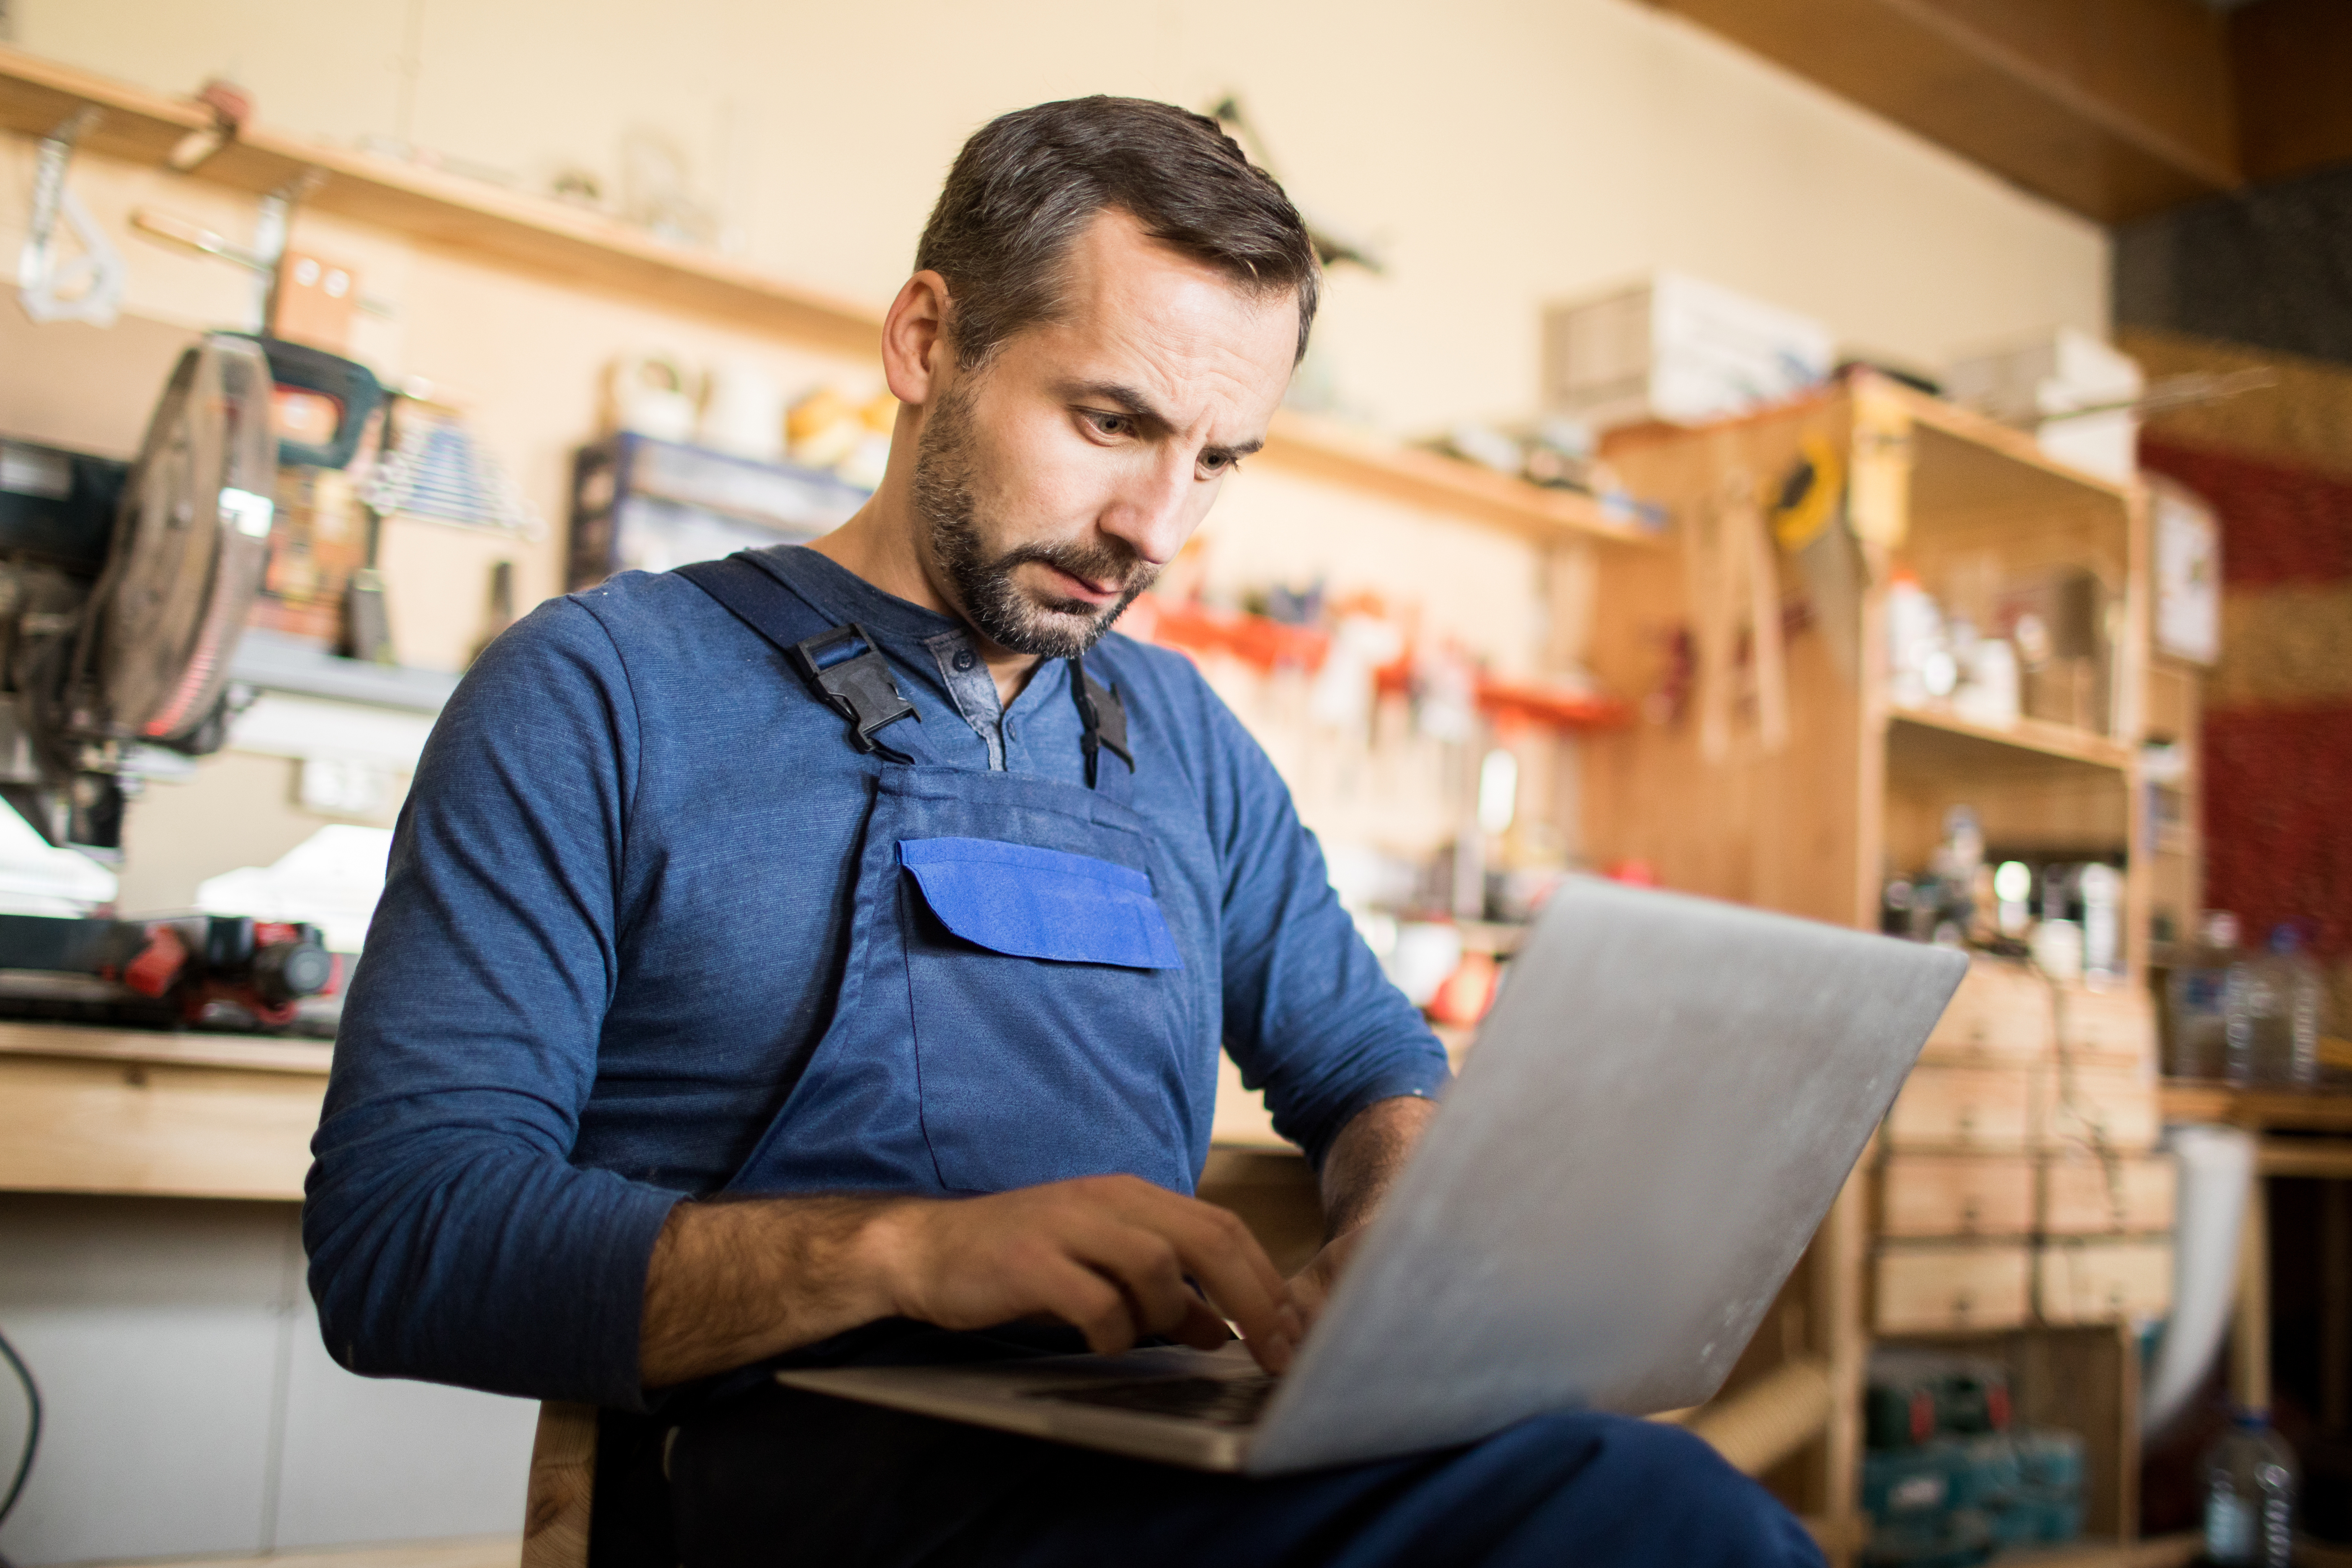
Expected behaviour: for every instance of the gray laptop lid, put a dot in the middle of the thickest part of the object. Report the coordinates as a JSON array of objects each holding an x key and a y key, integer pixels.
[{"x": 1660, "y": 1109}]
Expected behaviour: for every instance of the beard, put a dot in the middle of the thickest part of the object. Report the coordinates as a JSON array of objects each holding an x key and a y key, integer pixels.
[{"x": 1008, "y": 614}]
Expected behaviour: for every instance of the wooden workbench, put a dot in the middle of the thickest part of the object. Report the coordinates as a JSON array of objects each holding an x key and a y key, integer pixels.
[{"x": 144, "y": 1113}]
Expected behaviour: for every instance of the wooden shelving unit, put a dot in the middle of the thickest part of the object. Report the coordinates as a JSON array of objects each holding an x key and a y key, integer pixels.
[
  {"x": 575, "y": 245},
  {"x": 1809, "y": 814}
]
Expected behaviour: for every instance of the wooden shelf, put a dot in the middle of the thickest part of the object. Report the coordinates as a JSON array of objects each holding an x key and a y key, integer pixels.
[
  {"x": 1965, "y": 463},
  {"x": 537, "y": 234},
  {"x": 1446, "y": 484},
  {"x": 155, "y": 1114},
  {"x": 556, "y": 239},
  {"x": 258, "y": 1053},
  {"x": 2325, "y": 1109},
  {"x": 2029, "y": 744}
]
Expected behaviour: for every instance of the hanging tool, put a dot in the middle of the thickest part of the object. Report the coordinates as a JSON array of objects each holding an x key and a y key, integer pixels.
[
  {"x": 262, "y": 258},
  {"x": 1809, "y": 521},
  {"x": 1728, "y": 560},
  {"x": 88, "y": 287}
]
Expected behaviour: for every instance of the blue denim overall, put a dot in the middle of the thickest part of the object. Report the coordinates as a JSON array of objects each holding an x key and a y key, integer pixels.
[
  {"x": 1012, "y": 1010},
  {"x": 1010, "y": 1014}
]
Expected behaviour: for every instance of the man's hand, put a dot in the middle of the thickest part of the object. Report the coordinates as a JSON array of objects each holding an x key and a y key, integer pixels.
[
  {"x": 1108, "y": 1255},
  {"x": 732, "y": 1283},
  {"x": 1363, "y": 1162}
]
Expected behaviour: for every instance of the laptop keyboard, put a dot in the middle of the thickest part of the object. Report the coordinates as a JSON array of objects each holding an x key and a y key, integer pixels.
[{"x": 1219, "y": 1401}]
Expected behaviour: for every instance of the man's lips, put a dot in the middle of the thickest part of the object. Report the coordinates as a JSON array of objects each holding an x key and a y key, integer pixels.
[{"x": 1078, "y": 588}]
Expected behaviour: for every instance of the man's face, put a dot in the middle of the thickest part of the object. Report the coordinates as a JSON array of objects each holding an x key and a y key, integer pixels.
[{"x": 1053, "y": 484}]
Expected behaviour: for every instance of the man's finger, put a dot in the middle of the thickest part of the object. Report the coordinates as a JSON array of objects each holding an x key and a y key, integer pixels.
[
  {"x": 1225, "y": 1259},
  {"x": 1222, "y": 1254},
  {"x": 1090, "y": 1303},
  {"x": 1202, "y": 1329},
  {"x": 1141, "y": 1263}
]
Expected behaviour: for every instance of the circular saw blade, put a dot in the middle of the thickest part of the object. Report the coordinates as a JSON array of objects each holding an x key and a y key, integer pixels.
[{"x": 192, "y": 544}]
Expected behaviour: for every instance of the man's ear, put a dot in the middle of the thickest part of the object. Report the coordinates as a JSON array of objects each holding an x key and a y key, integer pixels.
[{"x": 915, "y": 346}]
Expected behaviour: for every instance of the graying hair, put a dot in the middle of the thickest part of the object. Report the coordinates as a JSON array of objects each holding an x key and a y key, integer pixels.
[{"x": 1028, "y": 182}]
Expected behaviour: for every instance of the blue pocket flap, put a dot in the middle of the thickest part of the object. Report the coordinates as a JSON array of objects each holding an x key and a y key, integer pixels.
[{"x": 1042, "y": 904}]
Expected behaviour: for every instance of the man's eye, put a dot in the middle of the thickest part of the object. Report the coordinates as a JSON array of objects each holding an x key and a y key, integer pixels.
[
  {"x": 1218, "y": 463},
  {"x": 1111, "y": 424}
]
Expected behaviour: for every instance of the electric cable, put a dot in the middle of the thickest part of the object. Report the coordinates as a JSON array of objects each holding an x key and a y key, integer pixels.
[{"x": 32, "y": 1426}]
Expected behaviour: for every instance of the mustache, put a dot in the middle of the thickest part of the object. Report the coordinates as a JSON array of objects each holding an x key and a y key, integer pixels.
[{"x": 1111, "y": 562}]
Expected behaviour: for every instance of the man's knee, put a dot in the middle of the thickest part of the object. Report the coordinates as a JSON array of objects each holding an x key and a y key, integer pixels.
[{"x": 1650, "y": 1492}]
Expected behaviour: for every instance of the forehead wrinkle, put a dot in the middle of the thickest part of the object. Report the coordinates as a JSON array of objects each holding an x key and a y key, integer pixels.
[{"x": 1137, "y": 314}]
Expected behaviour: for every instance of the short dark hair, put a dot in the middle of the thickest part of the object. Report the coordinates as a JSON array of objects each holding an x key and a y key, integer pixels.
[{"x": 1028, "y": 182}]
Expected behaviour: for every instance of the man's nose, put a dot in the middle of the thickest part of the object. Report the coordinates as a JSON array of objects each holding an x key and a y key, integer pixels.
[{"x": 1151, "y": 510}]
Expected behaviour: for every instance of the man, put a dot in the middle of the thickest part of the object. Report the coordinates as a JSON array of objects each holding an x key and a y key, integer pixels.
[{"x": 869, "y": 888}]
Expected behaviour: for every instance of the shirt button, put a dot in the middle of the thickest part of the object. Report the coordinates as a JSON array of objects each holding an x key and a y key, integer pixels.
[{"x": 964, "y": 659}]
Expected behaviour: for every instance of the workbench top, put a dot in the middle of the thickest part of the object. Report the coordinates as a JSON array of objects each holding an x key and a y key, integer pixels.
[{"x": 156, "y": 1114}]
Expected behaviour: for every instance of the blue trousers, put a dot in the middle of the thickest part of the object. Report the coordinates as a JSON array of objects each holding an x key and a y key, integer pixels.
[{"x": 777, "y": 1475}]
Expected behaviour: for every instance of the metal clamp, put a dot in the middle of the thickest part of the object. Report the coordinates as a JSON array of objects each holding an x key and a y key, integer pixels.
[{"x": 89, "y": 288}]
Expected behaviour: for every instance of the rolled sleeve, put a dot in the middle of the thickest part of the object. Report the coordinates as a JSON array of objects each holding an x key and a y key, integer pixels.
[{"x": 1309, "y": 1017}]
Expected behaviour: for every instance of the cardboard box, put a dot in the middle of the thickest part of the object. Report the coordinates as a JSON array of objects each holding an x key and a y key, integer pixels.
[
  {"x": 2060, "y": 374},
  {"x": 1678, "y": 348}
]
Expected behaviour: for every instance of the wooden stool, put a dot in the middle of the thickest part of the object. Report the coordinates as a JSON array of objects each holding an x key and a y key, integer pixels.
[{"x": 562, "y": 1486}]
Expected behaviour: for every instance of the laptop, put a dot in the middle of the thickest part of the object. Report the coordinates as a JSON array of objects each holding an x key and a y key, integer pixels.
[{"x": 1661, "y": 1106}]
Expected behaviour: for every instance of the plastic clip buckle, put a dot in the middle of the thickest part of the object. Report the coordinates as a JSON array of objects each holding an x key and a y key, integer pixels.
[
  {"x": 1102, "y": 718},
  {"x": 858, "y": 686}
]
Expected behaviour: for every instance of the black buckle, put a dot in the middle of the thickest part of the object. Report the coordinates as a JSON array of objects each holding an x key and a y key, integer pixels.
[
  {"x": 858, "y": 686},
  {"x": 1102, "y": 719}
]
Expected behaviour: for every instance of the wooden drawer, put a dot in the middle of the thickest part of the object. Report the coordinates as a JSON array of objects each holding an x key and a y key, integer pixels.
[
  {"x": 2118, "y": 1024},
  {"x": 1999, "y": 1013},
  {"x": 1955, "y": 1195},
  {"x": 2083, "y": 1106},
  {"x": 1954, "y": 1108},
  {"x": 2083, "y": 1195},
  {"x": 1929, "y": 1287},
  {"x": 2103, "y": 1281}
]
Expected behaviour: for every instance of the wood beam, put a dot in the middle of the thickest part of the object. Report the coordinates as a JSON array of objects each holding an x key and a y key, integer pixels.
[
  {"x": 2294, "y": 59},
  {"x": 2112, "y": 108}
]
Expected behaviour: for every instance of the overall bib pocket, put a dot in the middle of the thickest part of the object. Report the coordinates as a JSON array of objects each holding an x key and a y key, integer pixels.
[{"x": 1049, "y": 1016}]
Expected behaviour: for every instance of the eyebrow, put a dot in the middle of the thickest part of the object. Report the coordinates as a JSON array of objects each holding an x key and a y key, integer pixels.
[{"x": 1138, "y": 408}]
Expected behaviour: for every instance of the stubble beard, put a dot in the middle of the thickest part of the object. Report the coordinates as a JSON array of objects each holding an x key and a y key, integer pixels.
[{"x": 1006, "y": 614}]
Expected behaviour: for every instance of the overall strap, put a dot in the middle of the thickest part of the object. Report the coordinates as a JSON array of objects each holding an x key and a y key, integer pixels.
[
  {"x": 1102, "y": 718},
  {"x": 843, "y": 665}
]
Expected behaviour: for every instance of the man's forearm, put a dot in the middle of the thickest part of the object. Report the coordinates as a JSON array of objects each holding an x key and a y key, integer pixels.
[
  {"x": 1366, "y": 1157},
  {"x": 734, "y": 1282}
]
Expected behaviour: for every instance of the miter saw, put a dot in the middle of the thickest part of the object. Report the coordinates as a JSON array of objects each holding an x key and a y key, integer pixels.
[{"x": 123, "y": 592}]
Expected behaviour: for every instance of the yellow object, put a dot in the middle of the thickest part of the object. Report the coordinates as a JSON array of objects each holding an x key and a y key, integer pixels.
[
  {"x": 1798, "y": 518},
  {"x": 819, "y": 411},
  {"x": 880, "y": 413}
]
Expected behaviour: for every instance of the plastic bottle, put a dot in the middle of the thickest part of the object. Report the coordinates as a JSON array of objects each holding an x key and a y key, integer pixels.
[
  {"x": 2271, "y": 1007},
  {"x": 1915, "y": 637},
  {"x": 2303, "y": 993},
  {"x": 2249, "y": 1486},
  {"x": 2196, "y": 1029}
]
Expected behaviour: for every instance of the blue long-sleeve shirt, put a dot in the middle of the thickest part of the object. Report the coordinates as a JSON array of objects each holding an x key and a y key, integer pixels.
[{"x": 613, "y": 923}]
